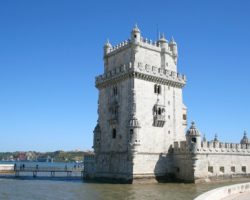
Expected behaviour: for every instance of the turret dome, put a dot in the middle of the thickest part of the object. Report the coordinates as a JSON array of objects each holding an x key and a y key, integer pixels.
[
  {"x": 244, "y": 140},
  {"x": 172, "y": 41},
  {"x": 136, "y": 29},
  {"x": 163, "y": 39},
  {"x": 193, "y": 131},
  {"x": 107, "y": 44}
]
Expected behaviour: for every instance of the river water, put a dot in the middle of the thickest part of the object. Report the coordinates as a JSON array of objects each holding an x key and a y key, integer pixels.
[
  {"x": 47, "y": 188},
  {"x": 36, "y": 189}
]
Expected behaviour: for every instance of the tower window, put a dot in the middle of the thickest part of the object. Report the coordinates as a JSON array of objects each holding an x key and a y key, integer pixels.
[
  {"x": 222, "y": 169},
  {"x": 115, "y": 90},
  {"x": 159, "y": 111},
  {"x": 233, "y": 169},
  {"x": 210, "y": 169},
  {"x": 193, "y": 140},
  {"x": 131, "y": 134},
  {"x": 134, "y": 36},
  {"x": 115, "y": 111},
  {"x": 184, "y": 117},
  {"x": 243, "y": 169},
  {"x": 157, "y": 89},
  {"x": 114, "y": 133}
]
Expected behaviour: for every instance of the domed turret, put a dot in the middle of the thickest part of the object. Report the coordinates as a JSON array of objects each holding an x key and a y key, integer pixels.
[
  {"x": 216, "y": 138},
  {"x": 193, "y": 137},
  {"x": 107, "y": 47},
  {"x": 135, "y": 34},
  {"x": 244, "y": 140},
  {"x": 193, "y": 131},
  {"x": 174, "y": 49},
  {"x": 163, "y": 43}
]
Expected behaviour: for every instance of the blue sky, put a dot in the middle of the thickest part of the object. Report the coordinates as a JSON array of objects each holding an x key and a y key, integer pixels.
[{"x": 51, "y": 50}]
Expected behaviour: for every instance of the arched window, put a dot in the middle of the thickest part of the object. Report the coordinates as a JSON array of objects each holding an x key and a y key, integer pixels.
[
  {"x": 159, "y": 89},
  {"x": 159, "y": 111},
  {"x": 131, "y": 134},
  {"x": 155, "y": 88}
]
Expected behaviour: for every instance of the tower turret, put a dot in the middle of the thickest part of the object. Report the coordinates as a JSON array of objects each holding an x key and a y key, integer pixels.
[
  {"x": 107, "y": 47},
  {"x": 163, "y": 43},
  {"x": 174, "y": 49},
  {"x": 134, "y": 126},
  {"x": 193, "y": 137},
  {"x": 135, "y": 34},
  {"x": 245, "y": 140}
]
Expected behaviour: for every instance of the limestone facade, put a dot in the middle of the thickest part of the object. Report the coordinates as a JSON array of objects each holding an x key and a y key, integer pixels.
[{"x": 140, "y": 131}]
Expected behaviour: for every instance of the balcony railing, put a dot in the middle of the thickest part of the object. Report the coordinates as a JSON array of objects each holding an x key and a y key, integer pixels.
[{"x": 159, "y": 120}]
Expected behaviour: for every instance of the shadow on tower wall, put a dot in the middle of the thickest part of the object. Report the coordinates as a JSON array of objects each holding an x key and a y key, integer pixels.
[{"x": 164, "y": 168}]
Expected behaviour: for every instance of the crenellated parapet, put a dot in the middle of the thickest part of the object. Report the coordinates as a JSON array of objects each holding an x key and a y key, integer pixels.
[
  {"x": 212, "y": 147},
  {"x": 144, "y": 43},
  {"x": 122, "y": 45},
  {"x": 136, "y": 40},
  {"x": 141, "y": 71}
]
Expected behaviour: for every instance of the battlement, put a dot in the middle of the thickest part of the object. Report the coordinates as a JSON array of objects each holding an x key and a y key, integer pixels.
[
  {"x": 144, "y": 42},
  {"x": 119, "y": 46},
  {"x": 152, "y": 73},
  {"x": 211, "y": 147}
]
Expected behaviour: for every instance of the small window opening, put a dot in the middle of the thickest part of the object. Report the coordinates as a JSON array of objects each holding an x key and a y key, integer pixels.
[
  {"x": 155, "y": 89},
  {"x": 193, "y": 140},
  {"x": 177, "y": 169},
  {"x": 159, "y": 111},
  {"x": 115, "y": 90},
  {"x": 131, "y": 134},
  {"x": 159, "y": 89},
  {"x": 210, "y": 169},
  {"x": 184, "y": 117},
  {"x": 114, "y": 133},
  {"x": 232, "y": 169},
  {"x": 243, "y": 169},
  {"x": 134, "y": 36},
  {"x": 116, "y": 111},
  {"x": 222, "y": 169}
]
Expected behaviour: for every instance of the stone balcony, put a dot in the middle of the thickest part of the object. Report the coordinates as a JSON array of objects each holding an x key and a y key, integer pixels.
[{"x": 159, "y": 120}]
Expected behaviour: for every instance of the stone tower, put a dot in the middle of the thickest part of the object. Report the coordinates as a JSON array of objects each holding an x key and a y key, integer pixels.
[{"x": 140, "y": 109}]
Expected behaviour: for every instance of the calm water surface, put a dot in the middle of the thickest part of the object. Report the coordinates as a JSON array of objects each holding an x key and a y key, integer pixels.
[
  {"x": 34, "y": 189},
  {"x": 47, "y": 188}
]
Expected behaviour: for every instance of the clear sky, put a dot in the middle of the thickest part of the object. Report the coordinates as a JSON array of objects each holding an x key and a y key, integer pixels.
[{"x": 51, "y": 51}]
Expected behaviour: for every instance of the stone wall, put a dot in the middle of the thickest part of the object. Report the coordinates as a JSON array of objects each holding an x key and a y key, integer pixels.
[{"x": 211, "y": 160}]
